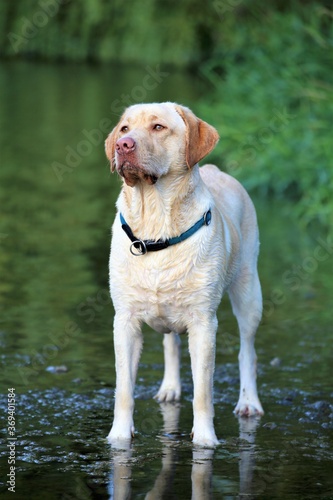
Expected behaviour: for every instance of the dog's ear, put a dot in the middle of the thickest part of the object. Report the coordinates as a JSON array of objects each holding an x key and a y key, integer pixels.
[
  {"x": 110, "y": 147},
  {"x": 201, "y": 138}
]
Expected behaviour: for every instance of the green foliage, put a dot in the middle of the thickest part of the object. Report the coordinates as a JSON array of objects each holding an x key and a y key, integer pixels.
[
  {"x": 273, "y": 106},
  {"x": 269, "y": 64},
  {"x": 145, "y": 31}
]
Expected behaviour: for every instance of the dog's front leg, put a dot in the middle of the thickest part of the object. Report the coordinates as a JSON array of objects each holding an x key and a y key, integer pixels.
[
  {"x": 202, "y": 335},
  {"x": 127, "y": 346}
]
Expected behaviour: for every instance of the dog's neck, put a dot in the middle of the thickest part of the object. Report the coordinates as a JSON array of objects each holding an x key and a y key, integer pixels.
[{"x": 165, "y": 209}]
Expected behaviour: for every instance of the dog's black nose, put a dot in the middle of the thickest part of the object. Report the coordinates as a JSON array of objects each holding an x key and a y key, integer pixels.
[{"x": 125, "y": 145}]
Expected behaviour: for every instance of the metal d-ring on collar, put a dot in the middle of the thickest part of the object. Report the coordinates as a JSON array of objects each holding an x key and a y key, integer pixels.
[{"x": 141, "y": 247}]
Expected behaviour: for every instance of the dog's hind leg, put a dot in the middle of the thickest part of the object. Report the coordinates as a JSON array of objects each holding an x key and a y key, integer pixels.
[
  {"x": 171, "y": 385},
  {"x": 127, "y": 345},
  {"x": 246, "y": 301}
]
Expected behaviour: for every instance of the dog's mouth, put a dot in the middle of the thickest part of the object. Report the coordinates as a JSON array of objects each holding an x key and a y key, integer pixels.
[{"x": 132, "y": 174}]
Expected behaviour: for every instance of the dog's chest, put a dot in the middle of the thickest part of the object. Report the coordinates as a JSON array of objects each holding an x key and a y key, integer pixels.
[
  {"x": 159, "y": 296},
  {"x": 158, "y": 286}
]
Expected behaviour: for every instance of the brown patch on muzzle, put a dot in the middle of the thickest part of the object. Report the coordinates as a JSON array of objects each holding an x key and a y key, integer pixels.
[{"x": 132, "y": 174}]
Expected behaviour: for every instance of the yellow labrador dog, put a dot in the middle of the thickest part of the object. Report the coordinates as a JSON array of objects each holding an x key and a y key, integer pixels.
[{"x": 183, "y": 236}]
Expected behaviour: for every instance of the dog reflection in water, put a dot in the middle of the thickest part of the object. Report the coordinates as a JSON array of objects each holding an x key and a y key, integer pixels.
[{"x": 202, "y": 462}]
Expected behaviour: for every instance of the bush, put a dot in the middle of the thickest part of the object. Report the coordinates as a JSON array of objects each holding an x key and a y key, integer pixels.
[{"x": 273, "y": 106}]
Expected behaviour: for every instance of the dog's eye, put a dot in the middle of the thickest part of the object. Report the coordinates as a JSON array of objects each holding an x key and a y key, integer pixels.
[
  {"x": 158, "y": 127},
  {"x": 124, "y": 128}
]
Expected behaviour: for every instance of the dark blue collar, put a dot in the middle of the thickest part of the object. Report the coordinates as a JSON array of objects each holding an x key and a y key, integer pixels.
[{"x": 144, "y": 246}]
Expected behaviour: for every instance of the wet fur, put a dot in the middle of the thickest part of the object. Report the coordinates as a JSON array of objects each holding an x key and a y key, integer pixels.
[{"x": 179, "y": 289}]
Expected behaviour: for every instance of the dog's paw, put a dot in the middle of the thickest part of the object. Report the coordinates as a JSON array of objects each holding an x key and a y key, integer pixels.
[
  {"x": 206, "y": 439},
  {"x": 120, "y": 436},
  {"x": 168, "y": 393},
  {"x": 248, "y": 409}
]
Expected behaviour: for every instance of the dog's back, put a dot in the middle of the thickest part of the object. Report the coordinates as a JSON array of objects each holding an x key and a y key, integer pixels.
[{"x": 234, "y": 205}]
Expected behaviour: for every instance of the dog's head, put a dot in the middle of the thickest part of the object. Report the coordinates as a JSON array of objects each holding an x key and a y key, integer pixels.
[{"x": 152, "y": 140}]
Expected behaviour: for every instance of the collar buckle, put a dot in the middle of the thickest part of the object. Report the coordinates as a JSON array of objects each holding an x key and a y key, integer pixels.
[
  {"x": 140, "y": 248},
  {"x": 207, "y": 217}
]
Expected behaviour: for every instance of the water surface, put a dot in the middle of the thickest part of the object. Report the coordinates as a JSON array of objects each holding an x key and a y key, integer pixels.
[{"x": 57, "y": 206}]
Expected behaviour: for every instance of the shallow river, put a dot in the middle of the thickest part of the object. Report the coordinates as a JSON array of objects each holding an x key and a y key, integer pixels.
[{"x": 57, "y": 205}]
